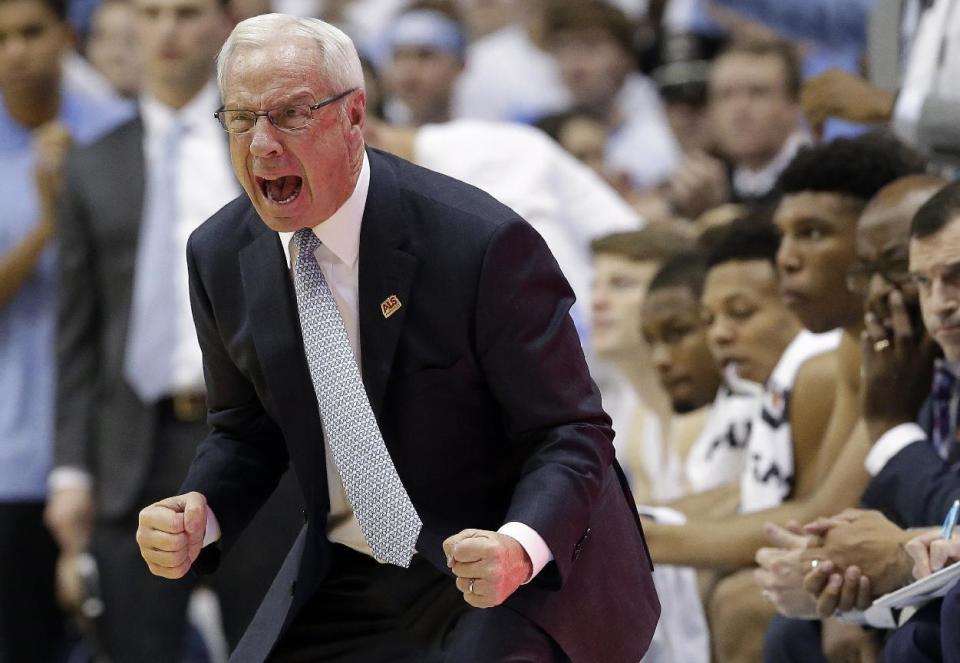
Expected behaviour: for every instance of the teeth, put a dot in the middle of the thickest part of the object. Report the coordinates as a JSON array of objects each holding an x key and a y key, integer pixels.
[{"x": 282, "y": 190}]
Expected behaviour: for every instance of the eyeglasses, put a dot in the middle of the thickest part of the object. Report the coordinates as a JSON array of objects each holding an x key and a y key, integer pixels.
[
  {"x": 896, "y": 273},
  {"x": 285, "y": 118}
]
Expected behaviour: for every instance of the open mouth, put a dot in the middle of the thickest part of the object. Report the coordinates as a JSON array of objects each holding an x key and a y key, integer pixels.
[{"x": 281, "y": 190}]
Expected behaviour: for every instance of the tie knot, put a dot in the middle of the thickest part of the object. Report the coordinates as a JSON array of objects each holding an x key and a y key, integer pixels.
[
  {"x": 943, "y": 381},
  {"x": 307, "y": 241}
]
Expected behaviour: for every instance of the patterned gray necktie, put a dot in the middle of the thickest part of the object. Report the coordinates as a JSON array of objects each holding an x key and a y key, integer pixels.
[{"x": 386, "y": 516}]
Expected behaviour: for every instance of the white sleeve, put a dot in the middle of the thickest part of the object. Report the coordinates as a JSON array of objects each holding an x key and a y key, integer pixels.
[
  {"x": 890, "y": 444},
  {"x": 532, "y": 542}
]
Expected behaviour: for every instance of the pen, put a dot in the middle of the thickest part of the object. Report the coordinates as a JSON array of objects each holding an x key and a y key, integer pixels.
[{"x": 950, "y": 521}]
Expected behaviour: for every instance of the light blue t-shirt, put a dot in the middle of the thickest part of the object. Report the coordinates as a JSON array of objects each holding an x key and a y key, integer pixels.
[{"x": 27, "y": 322}]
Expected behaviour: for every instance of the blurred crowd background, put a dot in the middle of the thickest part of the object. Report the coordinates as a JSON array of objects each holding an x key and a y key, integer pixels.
[{"x": 751, "y": 199}]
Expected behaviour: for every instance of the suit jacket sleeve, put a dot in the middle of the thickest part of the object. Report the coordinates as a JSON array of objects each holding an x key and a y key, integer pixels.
[
  {"x": 915, "y": 488},
  {"x": 78, "y": 319},
  {"x": 533, "y": 363},
  {"x": 241, "y": 461}
]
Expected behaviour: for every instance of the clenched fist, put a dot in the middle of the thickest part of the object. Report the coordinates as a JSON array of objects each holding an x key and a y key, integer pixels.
[
  {"x": 171, "y": 532},
  {"x": 489, "y": 566}
]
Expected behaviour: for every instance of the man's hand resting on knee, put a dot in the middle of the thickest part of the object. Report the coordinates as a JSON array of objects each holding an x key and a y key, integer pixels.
[
  {"x": 171, "y": 532},
  {"x": 489, "y": 566}
]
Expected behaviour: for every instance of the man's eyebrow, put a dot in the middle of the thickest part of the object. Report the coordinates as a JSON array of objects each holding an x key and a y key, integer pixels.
[
  {"x": 949, "y": 267},
  {"x": 297, "y": 99}
]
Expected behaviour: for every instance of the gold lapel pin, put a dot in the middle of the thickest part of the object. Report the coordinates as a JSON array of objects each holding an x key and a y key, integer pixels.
[{"x": 390, "y": 305}]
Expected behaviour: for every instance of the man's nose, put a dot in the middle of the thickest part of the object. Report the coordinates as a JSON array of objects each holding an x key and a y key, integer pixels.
[
  {"x": 944, "y": 297},
  {"x": 719, "y": 333},
  {"x": 263, "y": 138},
  {"x": 660, "y": 355},
  {"x": 787, "y": 259}
]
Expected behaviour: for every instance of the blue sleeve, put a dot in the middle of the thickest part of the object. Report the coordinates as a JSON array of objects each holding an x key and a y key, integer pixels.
[{"x": 834, "y": 23}]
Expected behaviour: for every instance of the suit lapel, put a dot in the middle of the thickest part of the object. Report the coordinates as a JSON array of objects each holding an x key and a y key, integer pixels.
[
  {"x": 275, "y": 327},
  {"x": 387, "y": 267}
]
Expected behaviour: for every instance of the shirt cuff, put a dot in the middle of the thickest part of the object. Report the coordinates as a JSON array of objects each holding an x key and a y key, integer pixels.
[
  {"x": 65, "y": 477},
  {"x": 890, "y": 444},
  {"x": 212, "y": 533},
  {"x": 532, "y": 543}
]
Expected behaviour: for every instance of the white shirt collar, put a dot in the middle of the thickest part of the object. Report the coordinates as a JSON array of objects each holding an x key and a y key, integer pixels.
[
  {"x": 749, "y": 182},
  {"x": 197, "y": 113},
  {"x": 341, "y": 232}
]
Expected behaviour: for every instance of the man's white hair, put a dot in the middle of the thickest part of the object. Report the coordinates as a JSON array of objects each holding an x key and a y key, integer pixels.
[{"x": 339, "y": 62}]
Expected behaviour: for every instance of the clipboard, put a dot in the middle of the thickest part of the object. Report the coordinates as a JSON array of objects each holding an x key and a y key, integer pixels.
[{"x": 922, "y": 591}]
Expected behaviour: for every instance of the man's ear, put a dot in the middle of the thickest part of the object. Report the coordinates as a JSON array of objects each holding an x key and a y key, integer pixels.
[{"x": 357, "y": 109}]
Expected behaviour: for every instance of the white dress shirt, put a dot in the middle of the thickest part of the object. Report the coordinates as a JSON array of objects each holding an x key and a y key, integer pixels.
[
  {"x": 339, "y": 260},
  {"x": 205, "y": 183}
]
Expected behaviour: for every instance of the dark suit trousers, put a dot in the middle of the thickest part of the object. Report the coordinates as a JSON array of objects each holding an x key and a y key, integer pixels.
[
  {"x": 793, "y": 641},
  {"x": 950, "y": 626},
  {"x": 365, "y": 612},
  {"x": 144, "y": 617},
  {"x": 918, "y": 640},
  {"x": 31, "y": 625}
]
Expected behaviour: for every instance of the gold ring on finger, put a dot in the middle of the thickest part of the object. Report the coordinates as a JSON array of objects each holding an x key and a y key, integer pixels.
[
  {"x": 470, "y": 586},
  {"x": 881, "y": 345}
]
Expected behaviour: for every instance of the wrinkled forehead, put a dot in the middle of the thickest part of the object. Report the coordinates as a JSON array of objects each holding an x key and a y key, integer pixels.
[
  {"x": 938, "y": 251},
  {"x": 279, "y": 71}
]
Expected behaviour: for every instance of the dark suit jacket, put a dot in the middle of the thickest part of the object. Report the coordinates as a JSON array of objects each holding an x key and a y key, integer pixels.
[
  {"x": 916, "y": 487},
  {"x": 101, "y": 424},
  {"x": 478, "y": 384}
]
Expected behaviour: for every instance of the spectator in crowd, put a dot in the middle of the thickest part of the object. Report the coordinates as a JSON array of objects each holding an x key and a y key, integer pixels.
[
  {"x": 754, "y": 108},
  {"x": 624, "y": 264},
  {"x": 742, "y": 305},
  {"x": 674, "y": 330},
  {"x": 681, "y": 78},
  {"x": 112, "y": 46},
  {"x": 711, "y": 466},
  {"x": 427, "y": 46},
  {"x": 816, "y": 253},
  {"x": 828, "y": 186},
  {"x": 923, "y": 111},
  {"x": 522, "y": 168},
  {"x": 41, "y": 115},
  {"x": 593, "y": 43},
  {"x": 130, "y": 393},
  {"x": 879, "y": 270},
  {"x": 584, "y": 137},
  {"x": 508, "y": 76},
  {"x": 914, "y": 481}
]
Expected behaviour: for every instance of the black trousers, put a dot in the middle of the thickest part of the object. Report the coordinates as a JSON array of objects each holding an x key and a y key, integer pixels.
[
  {"x": 365, "y": 612},
  {"x": 31, "y": 625}
]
